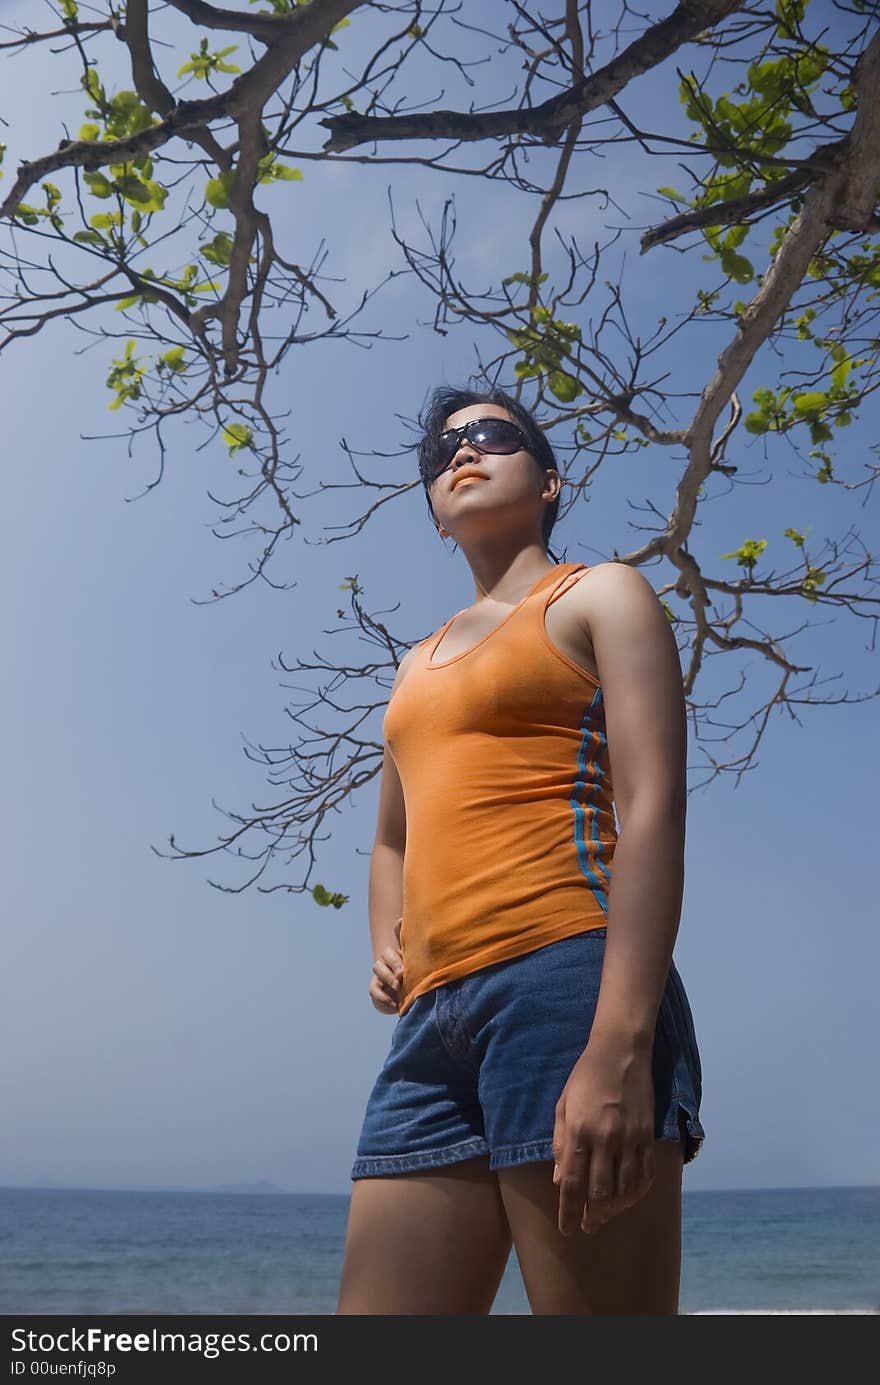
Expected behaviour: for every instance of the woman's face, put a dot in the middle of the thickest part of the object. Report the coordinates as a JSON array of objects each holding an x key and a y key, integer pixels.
[{"x": 505, "y": 483}]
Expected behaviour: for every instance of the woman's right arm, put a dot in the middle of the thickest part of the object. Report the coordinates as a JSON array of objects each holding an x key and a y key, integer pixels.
[{"x": 386, "y": 878}]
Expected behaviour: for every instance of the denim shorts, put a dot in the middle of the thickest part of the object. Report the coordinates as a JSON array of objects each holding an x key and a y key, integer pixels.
[{"x": 477, "y": 1065}]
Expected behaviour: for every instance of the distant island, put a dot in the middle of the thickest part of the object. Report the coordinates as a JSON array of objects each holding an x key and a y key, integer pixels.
[
  {"x": 262, "y": 1186},
  {"x": 56, "y": 1185}
]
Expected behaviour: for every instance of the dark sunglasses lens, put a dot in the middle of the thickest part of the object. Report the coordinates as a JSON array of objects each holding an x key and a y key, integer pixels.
[
  {"x": 489, "y": 435},
  {"x": 496, "y": 435},
  {"x": 447, "y": 447}
]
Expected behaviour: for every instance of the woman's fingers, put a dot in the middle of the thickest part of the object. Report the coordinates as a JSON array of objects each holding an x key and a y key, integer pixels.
[
  {"x": 649, "y": 1165},
  {"x": 381, "y": 998},
  {"x": 615, "y": 1183},
  {"x": 394, "y": 958},
  {"x": 386, "y": 985},
  {"x": 600, "y": 1201},
  {"x": 572, "y": 1181},
  {"x": 630, "y": 1179},
  {"x": 388, "y": 970},
  {"x": 594, "y": 1182}
]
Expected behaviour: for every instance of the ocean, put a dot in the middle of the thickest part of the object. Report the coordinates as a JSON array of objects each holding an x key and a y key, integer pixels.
[{"x": 95, "y": 1251}]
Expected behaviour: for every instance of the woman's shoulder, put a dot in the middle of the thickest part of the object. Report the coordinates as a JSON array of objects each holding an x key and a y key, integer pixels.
[
  {"x": 601, "y": 579},
  {"x": 611, "y": 600}
]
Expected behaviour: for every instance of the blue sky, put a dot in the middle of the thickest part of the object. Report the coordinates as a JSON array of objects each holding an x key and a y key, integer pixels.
[{"x": 160, "y": 1032}]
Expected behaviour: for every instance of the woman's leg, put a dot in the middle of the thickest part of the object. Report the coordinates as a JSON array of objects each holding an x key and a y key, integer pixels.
[
  {"x": 629, "y": 1265},
  {"x": 432, "y": 1242}
]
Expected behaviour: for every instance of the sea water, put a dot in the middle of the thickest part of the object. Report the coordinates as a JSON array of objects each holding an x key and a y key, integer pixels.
[{"x": 95, "y": 1251}]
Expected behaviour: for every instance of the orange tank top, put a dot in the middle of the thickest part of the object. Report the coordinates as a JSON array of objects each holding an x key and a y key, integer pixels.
[{"x": 510, "y": 829}]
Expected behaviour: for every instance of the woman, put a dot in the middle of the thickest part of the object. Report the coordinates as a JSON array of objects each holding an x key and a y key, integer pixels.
[{"x": 499, "y": 939}]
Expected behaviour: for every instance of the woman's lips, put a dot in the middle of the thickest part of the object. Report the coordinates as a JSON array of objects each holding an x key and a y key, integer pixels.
[{"x": 467, "y": 480}]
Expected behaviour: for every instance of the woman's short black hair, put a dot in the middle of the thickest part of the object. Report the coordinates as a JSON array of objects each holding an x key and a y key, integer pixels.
[{"x": 448, "y": 399}]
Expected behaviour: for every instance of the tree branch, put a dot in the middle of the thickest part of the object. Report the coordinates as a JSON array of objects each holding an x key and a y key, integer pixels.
[
  {"x": 78, "y": 26},
  {"x": 264, "y": 27},
  {"x": 728, "y": 213},
  {"x": 186, "y": 117},
  {"x": 858, "y": 199},
  {"x": 860, "y": 149},
  {"x": 149, "y": 85},
  {"x": 548, "y": 120},
  {"x": 820, "y": 214},
  {"x": 301, "y": 31}
]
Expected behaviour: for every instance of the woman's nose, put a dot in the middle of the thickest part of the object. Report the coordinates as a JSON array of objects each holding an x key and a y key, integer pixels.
[{"x": 465, "y": 454}]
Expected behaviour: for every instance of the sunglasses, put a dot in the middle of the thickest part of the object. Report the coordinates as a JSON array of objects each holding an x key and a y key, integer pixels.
[{"x": 495, "y": 435}]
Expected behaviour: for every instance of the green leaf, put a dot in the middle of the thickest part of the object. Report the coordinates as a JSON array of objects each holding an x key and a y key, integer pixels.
[
  {"x": 218, "y": 250},
  {"x": 565, "y": 387},
  {"x": 157, "y": 195},
  {"x": 270, "y": 171},
  {"x": 737, "y": 266},
  {"x": 326, "y": 898},
  {"x": 132, "y": 189},
  {"x": 174, "y": 360},
  {"x": 99, "y": 184},
  {"x": 814, "y": 402},
  {"x": 236, "y": 436},
  {"x": 841, "y": 371},
  {"x": 521, "y": 278},
  {"x": 124, "y": 102},
  {"x": 217, "y": 191},
  {"x": 91, "y": 83},
  {"x": 736, "y": 235},
  {"x": 125, "y": 377},
  {"x": 748, "y": 555},
  {"x": 286, "y": 173}
]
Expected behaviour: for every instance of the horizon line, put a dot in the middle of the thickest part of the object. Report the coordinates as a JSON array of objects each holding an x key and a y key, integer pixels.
[{"x": 250, "y": 1190}]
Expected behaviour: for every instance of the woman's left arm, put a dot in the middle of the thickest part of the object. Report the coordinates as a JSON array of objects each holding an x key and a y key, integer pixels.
[{"x": 604, "y": 1136}]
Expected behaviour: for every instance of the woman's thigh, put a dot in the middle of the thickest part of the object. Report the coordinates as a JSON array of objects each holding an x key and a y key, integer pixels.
[
  {"x": 631, "y": 1264},
  {"x": 430, "y": 1242}
]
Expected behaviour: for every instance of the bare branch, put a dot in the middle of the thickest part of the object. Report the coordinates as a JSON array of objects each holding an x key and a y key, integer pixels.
[
  {"x": 264, "y": 27},
  {"x": 728, "y": 213},
  {"x": 549, "y": 119}
]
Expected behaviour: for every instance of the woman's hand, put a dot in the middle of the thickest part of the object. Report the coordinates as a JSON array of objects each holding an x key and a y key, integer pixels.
[
  {"x": 603, "y": 1138},
  {"x": 385, "y": 986}
]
